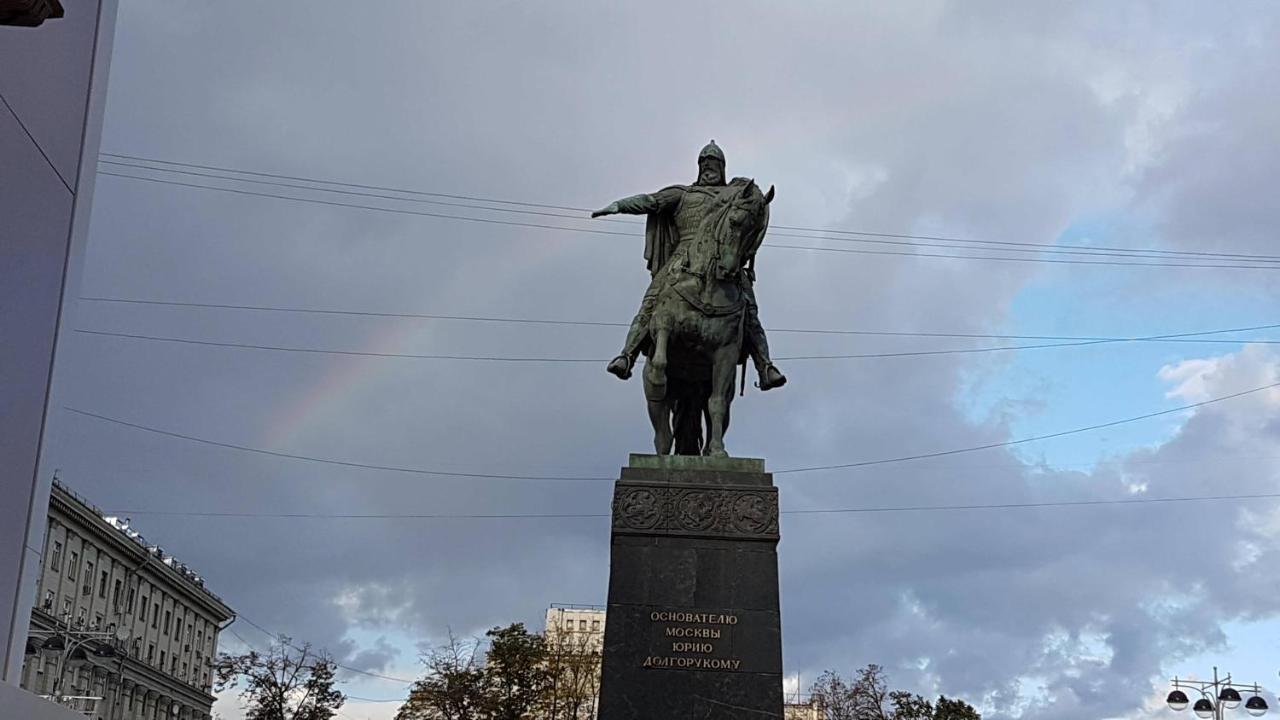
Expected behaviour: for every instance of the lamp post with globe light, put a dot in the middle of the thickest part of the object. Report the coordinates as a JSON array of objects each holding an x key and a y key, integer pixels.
[{"x": 1216, "y": 697}]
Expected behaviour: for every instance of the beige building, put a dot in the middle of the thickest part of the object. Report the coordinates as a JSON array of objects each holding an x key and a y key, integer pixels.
[
  {"x": 575, "y": 644},
  {"x": 575, "y": 621},
  {"x": 120, "y": 628},
  {"x": 795, "y": 709}
]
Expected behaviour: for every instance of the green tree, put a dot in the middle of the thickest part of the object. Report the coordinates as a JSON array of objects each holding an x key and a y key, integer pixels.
[
  {"x": 946, "y": 709},
  {"x": 286, "y": 682},
  {"x": 867, "y": 697},
  {"x": 516, "y": 672},
  {"x": 513, "y": 683},
  {"x": 454, "y": 687}
]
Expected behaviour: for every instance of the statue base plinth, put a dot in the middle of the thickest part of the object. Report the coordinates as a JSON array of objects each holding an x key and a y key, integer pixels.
[{"x": 693, "y": 627}]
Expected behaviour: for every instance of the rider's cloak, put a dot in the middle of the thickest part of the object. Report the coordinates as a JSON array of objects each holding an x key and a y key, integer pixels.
[{"x": 661, "y": 236}]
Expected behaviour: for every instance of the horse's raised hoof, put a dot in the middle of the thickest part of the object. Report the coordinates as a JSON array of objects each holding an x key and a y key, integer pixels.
[
  {"x": 771, "y": 378},
  {"x": 718, "y": 452},
  {"x": 620, "y": 366}
]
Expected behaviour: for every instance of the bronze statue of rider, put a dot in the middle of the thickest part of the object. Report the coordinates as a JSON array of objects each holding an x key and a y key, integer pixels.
[{"x": 674, "y": 215}]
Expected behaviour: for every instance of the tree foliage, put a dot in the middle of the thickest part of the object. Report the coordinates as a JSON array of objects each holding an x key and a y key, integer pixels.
[
  {"x": 286, "y": 682},
  {"x": 573, "y": 660},
  {"x": 867, "y": 697},
  {"x": 453, "y": 688},
  {"x": 522, "y": 677},
  {"x": 516, "y": 670}
]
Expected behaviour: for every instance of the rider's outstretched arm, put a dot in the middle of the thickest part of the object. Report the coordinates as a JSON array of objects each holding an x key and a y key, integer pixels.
[{"x": 643, "y": 204}]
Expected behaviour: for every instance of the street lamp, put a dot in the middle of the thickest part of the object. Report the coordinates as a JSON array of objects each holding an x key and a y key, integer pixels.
[
  {"x": 73, "y": 647},
  {"x": 1225, "y": 692}
]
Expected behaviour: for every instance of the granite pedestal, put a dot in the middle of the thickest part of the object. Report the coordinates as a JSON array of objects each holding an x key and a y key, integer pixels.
[{"x": 693, "y": 627}]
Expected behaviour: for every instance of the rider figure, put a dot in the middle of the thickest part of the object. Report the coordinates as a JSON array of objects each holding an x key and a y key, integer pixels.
[{"x": 675, "y": 213}]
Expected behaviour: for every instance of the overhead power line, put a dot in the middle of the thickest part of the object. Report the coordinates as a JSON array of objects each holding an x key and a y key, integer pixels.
[
  {"x": 36, "y": 143},
  {"x": 281, "y": 638},
  {"x": 1185, "y": 337},
  {"x": 343, "y": 463},
  {"x": 501, "y": 201},
  {"x": 1034, "y": 438},
  {"x": 553, "y": 360},
  {"x": 594, "y": 231},
  {"x": 846, "y": 236},
  {"x": 810, "y": 511},
  {"x": 815, "y": 468}
]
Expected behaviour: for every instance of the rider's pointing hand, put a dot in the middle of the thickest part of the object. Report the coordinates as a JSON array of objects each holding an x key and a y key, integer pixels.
[{"x": 610, "y": 209}]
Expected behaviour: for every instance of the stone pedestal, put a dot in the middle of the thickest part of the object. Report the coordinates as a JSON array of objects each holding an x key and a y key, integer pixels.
[{"x": 693, "y": 626}]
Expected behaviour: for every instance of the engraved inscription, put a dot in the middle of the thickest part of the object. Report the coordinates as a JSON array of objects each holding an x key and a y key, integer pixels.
[{"x": 692, "y": 640}]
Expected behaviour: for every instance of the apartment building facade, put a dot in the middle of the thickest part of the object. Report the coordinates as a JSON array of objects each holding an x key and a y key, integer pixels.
[{"x": 119, "y": 623}]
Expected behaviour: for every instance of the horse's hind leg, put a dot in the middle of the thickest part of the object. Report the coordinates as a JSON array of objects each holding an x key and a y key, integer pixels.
[{"x": 723, "y": 366}]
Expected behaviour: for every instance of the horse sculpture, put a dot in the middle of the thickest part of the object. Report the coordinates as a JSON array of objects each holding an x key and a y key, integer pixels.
[{"x": 696, "y": 327}]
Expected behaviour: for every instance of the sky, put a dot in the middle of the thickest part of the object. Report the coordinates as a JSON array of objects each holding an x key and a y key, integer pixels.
[{"x": 1137, "y": 125}]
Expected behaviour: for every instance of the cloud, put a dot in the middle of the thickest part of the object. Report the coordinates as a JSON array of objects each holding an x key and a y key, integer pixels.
[{"x": 980, "y": 120}]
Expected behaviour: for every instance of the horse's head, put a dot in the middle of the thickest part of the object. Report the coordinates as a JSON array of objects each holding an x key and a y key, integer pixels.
[{"x": 742, "y": 224}]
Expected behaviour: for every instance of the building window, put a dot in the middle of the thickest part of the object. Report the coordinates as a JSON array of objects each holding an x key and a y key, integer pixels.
[
  {"x": 151, "y": 652},
  {"x": 142, "y": 612},
  {"x": 115, "y": 593},
  {"x": 161, "y": 659},
  {"x": 80, "y": 617},
  {"x": 184, "y": 671},
  {"x": 74, "y": 566},
  {"x": 128, "y": 603},
  {"x": 595, "y": 626},
  {"x": 155, "y": 615},
  {"x": 97, "y": 621},
  {"x": 47, "y": 606},
  {"x": 582, "y": 625},
  {"x": 168, "y": 621},
  {"x": 55, "y": 559},
  {"x": 66, "y": 607},
  {"x": 102, "y": 584},
  {"x": 177, "y": 630}
]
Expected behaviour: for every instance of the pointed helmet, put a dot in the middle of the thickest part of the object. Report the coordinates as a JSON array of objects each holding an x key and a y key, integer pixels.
[{"x": 712, "y": 150}]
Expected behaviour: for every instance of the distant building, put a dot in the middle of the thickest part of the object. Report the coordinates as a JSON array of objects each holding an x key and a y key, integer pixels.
[
  {"x": 575, "y": 644},
  {"x": 120, "y": 628},
  {"x": 563, "y": 621},
  {"x": 795, "y": 709}
]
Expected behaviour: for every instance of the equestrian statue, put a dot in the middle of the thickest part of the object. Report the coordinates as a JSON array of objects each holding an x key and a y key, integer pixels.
[{"x": 698, "y": 321}]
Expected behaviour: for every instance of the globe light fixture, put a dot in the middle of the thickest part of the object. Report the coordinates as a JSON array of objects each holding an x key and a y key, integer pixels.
[{"x": 1216, "y": 696}]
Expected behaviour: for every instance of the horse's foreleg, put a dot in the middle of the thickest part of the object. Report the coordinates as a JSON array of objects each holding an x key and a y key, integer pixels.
[
  {"x": 655, "y": 371},
  {"x": 723, "y": 371},
  {"x": 660, "y": 417}
]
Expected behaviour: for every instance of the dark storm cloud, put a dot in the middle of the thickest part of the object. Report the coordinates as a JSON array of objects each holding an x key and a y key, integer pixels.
[{"x": 960, "y": 119}]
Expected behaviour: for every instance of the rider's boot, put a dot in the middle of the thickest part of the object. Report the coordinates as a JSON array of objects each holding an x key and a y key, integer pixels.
[
  {"x": 770, "y": 376},
  {"x": 622, "y": 364}
]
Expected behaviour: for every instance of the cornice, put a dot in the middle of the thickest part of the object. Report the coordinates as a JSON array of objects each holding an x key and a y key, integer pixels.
[{"x": 87, "y": 520}]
